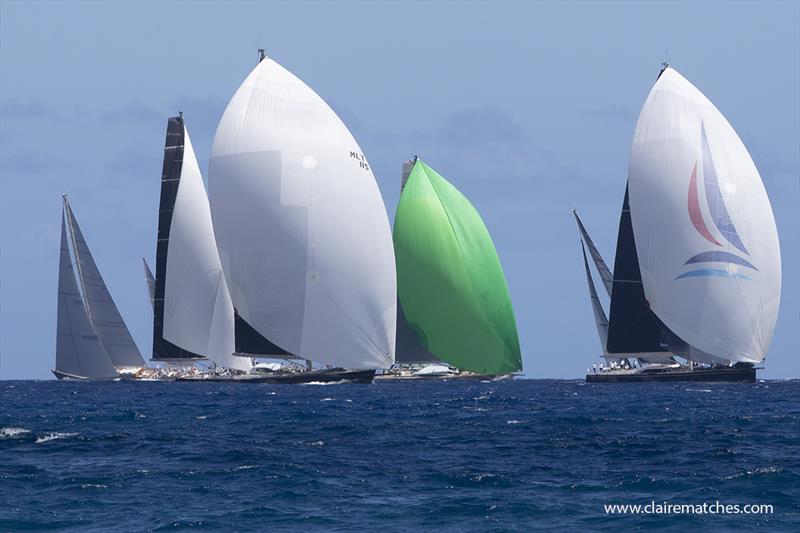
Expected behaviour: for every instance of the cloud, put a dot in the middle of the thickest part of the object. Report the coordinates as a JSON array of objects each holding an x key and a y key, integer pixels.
[
  {"x": 480, "y": 127},
  {"x": 15, "y": 110},
  {"x": 483, "y": 144},
  {"x": 132, "y": 113},
  {"x": 613, "y": 112},
  {"x": 22, "y": 163},
  {"x": 351, "y": 120},
  {"x": 201, "y": 114}
]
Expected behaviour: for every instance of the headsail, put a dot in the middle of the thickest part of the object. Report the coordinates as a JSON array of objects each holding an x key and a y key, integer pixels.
[
  {"x": 79, "y": 352},
  {"x": 709, "y": 252},
  {"x": 300, "y": 224},
  {"x": 602, "y": 269},
  {"x": 597, "y": 308},
  {"x": 198, "y": 313},
  {"x": 102, "y": 311},
  {"x": 163, "y": 349},
  {"x": 150, "y": 280},
  {"x": 450, "y": 282}
]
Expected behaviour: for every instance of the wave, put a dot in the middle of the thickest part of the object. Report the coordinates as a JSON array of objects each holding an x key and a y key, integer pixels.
[
  {"x": 12, "y": 432},
  {"x": 54, "y": 436}
]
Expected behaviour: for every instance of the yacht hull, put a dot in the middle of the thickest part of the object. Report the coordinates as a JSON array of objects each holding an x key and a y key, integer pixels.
[
  {"x": 292, "y": 378},
  {"x": 723, "y": 375}
]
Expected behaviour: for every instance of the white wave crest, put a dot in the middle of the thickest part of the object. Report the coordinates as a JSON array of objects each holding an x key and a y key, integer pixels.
[
  {"x": 12, "y": 432},
  {"x": 54, "y": 436}
]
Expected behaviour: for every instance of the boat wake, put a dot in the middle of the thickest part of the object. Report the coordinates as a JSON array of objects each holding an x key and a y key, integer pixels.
[
  {"x": 12, "y": 432},
  {"x": 54, "y": 436}
]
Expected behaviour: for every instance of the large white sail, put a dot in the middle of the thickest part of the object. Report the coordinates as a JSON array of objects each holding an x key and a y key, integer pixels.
[
  {"x": 198, "y": 313},
  {"x": 703, "y": 225},
  {"x": 302, "y": 230},
  {"x": 79, "y": 352}
]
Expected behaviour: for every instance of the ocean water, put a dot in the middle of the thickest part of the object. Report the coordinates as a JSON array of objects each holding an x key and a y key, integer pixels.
[{"x": 459, "y": 456}]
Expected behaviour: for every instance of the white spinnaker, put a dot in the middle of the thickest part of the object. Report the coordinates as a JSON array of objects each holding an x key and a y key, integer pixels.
[
  {"x": 301, "y": 226},
  {"x": 725, "y": 310},
  {"x": 198, "y": 312}
]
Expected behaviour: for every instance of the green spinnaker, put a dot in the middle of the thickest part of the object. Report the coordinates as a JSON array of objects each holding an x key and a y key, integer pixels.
[{"x": 449, "y": 279}]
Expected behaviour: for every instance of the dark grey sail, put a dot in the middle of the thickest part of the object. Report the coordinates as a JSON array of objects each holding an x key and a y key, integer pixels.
[
  {"x": 597, "y": 308},
  {"x": 602, "y": 269},
  {"x": 248, "y": 341},
  {"x": 150, "y": 280},
  {"x": 103, "y": 312},
  {"x": 79, "y": 352},
  {"x": 632, "y": 327},
  {"x": 408, "y": 349}
]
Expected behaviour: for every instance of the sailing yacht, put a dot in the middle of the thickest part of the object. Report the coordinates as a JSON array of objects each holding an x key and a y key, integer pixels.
[
  {"x": 92, "y": 340},
  {"x": 695, "y": 291},
  {"x": 301, "y": 228},
  {"x": 454, "y": 305}
]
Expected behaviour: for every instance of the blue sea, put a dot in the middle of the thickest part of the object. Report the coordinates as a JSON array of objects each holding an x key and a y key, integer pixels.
[{"x": 401, "y": 456}]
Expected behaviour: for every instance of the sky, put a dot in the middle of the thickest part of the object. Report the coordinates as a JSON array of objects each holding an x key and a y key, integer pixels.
[{"x": 528, "y": 108}]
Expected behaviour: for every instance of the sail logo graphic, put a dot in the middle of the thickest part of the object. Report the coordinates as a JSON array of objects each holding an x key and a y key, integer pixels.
[
  {"x": 732, "y": 262},
  {"x": 362, "y": 161}
]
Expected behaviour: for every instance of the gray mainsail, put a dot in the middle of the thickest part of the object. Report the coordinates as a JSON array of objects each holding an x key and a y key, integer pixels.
[
  {"x": 602, "y": 269},
  {"x": 599, "y": 314},
  {"x": 79, "y": 352},
  {"x": 151, "y": 282},
  {"x": 103, "y": 314}
]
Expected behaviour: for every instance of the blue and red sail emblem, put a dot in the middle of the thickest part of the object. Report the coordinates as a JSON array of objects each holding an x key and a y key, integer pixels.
[{"x": 722, "y": 220}]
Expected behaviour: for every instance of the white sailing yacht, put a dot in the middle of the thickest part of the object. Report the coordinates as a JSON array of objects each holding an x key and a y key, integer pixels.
[
  {"x": 697, "y": 274},
  {"x": 302, "y": 231}
]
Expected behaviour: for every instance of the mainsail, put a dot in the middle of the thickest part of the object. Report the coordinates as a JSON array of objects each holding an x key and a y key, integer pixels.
[
  {"x": 450, "y": 282},
  {"x": 79, "y": 352},
  {"x": 198, "y": 313},
  {"x": 102, "y": 311},
  {"x": 301, "y": 227},
  {"x": 632, "y": 327},
  {"x": 703, "y": 225}
]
